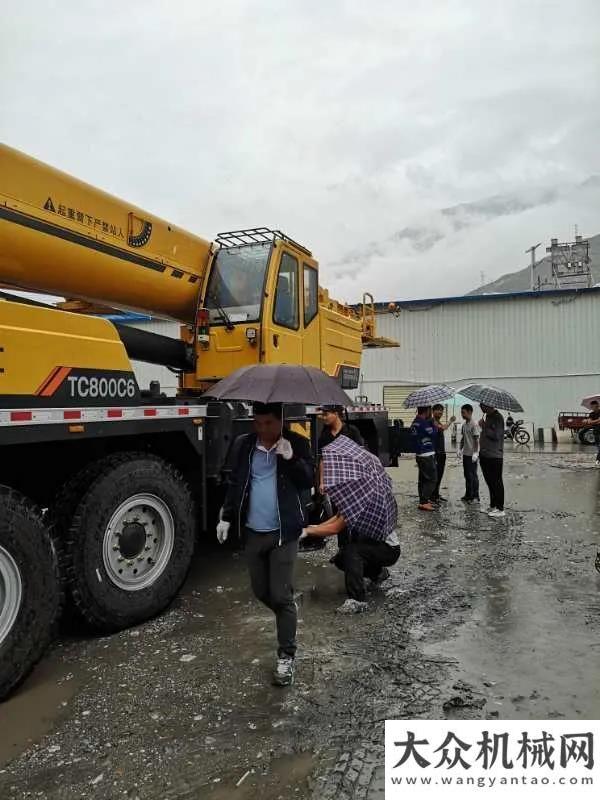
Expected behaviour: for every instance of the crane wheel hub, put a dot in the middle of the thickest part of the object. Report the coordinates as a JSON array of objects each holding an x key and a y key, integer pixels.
[
  {"x": 11, "y": 592},
  {"x": 132, "y": 539},
  {"x": 138, "y": 542}
]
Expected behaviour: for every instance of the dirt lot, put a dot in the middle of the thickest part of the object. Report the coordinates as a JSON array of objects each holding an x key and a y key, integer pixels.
[{"x": 481, "y": 619}]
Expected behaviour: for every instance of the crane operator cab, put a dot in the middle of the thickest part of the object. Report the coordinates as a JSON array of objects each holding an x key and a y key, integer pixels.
[{"x": 261, "y": 305}]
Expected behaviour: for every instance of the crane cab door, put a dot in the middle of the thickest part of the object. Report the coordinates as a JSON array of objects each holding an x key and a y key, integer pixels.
[
  {"x": 282, "y": 325},
  {"x": 311, "y": 340}
]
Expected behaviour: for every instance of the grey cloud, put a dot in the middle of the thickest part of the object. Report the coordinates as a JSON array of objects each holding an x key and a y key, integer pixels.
[{"x": 349, "y": 125}]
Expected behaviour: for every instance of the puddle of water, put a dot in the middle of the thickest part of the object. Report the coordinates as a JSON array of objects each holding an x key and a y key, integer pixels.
[
  {"x": 36, "y": 707},
  {"x": 538, "y": 659},
  {"x": 284, "y": 776},
  {"x": 531, "y": 584}
]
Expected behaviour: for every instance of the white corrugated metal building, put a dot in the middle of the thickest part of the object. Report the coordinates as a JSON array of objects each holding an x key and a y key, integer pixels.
[{"x": 544, "y": 347}]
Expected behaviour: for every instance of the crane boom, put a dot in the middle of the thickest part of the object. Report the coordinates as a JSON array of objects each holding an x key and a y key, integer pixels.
[{"x": 61, "y": 236}]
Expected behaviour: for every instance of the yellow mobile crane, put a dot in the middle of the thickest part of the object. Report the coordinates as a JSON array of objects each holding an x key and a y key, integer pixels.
[{"x": 126, "y": 475}]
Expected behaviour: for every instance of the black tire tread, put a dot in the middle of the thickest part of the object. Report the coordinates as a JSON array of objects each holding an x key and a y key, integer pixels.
[
  {"x": 93, "y": 618},
  {"x": 59, "y": 516},
  {"x": 17, "y": 663}
]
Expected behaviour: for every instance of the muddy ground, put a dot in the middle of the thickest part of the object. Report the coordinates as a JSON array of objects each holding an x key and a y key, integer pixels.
[{"x": 481, "y": 619}]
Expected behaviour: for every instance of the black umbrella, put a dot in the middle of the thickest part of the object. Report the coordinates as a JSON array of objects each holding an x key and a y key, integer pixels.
[
  {"x": 492, "y": 396},
  {"x": 280, "y": 383}
]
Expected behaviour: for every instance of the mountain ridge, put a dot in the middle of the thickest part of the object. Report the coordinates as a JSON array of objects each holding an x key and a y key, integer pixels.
[{"x": 520, "y": 280}]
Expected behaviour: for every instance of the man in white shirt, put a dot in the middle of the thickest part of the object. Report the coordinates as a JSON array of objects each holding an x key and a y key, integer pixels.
[{"x": 469, "y": 447}]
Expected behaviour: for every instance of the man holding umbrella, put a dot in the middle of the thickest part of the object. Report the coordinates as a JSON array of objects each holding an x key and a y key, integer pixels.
[
  {"x": 270, "y": 469},
  {"x": 491, "y": 457},
  {"x": 425, "y": 431},
  {"x": 424, "y": 434},
  {"x": 362, "y": 492},
  {"x": 491, "y": 440}
]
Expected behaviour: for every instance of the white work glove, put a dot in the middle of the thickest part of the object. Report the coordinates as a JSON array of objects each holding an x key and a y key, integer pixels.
[
  {"x": 284, "y": 449},
  {"x": 223, "y": 531},
  {"x": 303, "y": 535},
  {"x": 475, "y": 457},
  {"x": 459, "y": 454}
]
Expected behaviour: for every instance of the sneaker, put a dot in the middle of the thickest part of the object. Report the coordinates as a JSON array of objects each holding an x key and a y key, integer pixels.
[
  {"x": 496, "y": 513},
  {"x": 382, "y": 577},
  {"x": 284, "y": 672},
  {"x": 426, "y": 507},
  {"x": 352, "y": 607},
  {"x": 441, "y": 499}
]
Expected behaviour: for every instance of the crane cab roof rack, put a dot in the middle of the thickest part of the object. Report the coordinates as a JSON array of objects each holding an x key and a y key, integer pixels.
[{"x": 255, "y": 236}]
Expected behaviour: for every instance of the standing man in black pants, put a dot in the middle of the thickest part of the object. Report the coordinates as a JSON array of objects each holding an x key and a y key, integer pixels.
[
  {"x": 469, "y": 447},
  {"x": 491, "y": 449},
  {"x": 437, "y": 413},
  {"x": 271, "y": 469},
  {"x": 424, "y": 435}
]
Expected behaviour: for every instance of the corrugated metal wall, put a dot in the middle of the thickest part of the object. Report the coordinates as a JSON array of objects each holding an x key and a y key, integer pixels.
[
  {"x": 393, "y": 399},
  {"x": 544, "y": 349}
]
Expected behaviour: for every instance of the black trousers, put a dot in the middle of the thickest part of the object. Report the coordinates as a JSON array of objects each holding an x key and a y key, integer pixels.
[
  {"x": 427, "y": 477},
  {"x": 271, "y": 567},
  {"x": 440, "y": 466},
  {"x": 364, "y": 558},
  {"x": 492, "y": 473},
  {"x": 471, "y": 478}
]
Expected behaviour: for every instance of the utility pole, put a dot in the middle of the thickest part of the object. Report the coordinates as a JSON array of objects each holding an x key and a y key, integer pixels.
[{"x": 532, "y": 250}]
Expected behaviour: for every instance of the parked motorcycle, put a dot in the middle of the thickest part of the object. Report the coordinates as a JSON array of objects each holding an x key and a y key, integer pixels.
[{"x": 517, "y": 433}]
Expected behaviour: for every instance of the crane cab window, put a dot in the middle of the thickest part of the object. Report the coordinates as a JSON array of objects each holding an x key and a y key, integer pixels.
[
  {"x": 236, "y": 283},
  {"x": 311, "y": 294},
  {"x": 286, "y": 311}
]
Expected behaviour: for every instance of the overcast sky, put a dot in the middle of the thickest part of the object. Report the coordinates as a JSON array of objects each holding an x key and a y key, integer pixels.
[{"x": 349, "y": 125}]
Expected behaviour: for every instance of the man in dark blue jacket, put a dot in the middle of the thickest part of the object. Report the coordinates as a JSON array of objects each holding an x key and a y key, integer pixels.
[
  {"x": 425, "y": 434},
  {"x": 271, "y": 469}
]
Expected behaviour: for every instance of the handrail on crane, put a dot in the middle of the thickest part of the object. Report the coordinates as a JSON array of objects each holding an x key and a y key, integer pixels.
[
  {"x": 368, "y": 315},
  {"x": 369, "y": 325}
]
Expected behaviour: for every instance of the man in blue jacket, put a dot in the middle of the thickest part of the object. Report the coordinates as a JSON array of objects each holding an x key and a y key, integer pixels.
[
  {"x": 425, "y": 434},
  {"x": 270, "y": 470}
]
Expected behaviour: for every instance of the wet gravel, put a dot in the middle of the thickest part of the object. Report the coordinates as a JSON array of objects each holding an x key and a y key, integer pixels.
[{"x": 481, "y": 619}]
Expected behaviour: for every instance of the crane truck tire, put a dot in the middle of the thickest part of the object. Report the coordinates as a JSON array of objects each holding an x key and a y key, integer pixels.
[
  {"x": 130, "y": 543},
  {"x": 29, "y": 589},
  {"x": 59, "y": 515}
]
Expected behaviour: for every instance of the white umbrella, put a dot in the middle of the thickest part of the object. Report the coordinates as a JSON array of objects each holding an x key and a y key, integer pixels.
[{"x": 587, "y": 401}]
